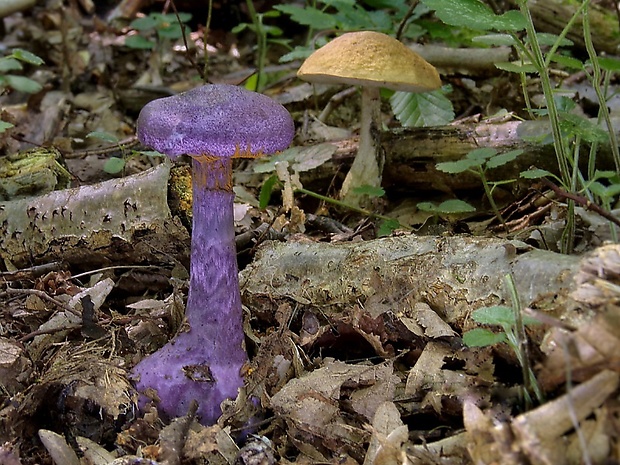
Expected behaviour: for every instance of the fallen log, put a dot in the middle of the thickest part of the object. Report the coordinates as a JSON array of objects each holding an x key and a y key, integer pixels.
[
  {"x": 453, "y": 275},
  {"x": 412, "y": 153}
]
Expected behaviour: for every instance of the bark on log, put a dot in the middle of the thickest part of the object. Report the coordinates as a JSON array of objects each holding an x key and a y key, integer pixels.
[
  {"x": 118, "y": 221},
  {"x": 553, "y": 15},
  {"x": 454, "y": 275}
]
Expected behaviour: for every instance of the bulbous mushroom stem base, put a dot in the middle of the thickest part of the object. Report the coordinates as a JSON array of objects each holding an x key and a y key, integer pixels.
[{"x": 181, "y": 372}]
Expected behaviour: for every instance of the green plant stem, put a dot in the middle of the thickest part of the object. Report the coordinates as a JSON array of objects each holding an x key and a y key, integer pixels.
[
  {"x": 538, "y": 60},
  {"x": 596, "y": 83},
  {"x": 489, "y": 194},
  {"x": 338, "y": 203},
  {"x": 529, "y": 379},
  {"x": 261, "y": 43}
]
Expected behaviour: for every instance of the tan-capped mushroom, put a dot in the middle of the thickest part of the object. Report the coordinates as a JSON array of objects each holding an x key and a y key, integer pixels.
[{"x": 371, "y": 60}]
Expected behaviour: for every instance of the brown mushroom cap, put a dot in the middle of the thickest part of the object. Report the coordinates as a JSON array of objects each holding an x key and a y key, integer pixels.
[{"x": 370, "y": 58}]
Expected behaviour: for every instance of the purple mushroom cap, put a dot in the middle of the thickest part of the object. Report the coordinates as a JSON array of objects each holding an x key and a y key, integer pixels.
[{"x": 218, "y": 120}]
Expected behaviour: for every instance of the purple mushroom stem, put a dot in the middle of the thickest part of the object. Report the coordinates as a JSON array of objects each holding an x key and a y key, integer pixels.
[{"x": 203, "y": 363}]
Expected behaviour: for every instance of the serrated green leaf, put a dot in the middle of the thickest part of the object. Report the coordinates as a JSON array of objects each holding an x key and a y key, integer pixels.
[
  {"x": 26, "y": 56},
  {"x": 503, "y": 158},
  {"x": 22, "y": 84},
  {"x": 577, "y": 125},
  {"x": 481, "y": 337},
  {"x": 308, "y": 16},
  {"x": 139, "y": 42},
  {"x": 422, "y": 110},
  {"x": 495, "y": 40},
  {"x": 387, "y": 227},
  {"x": 114, "y": 165},
  {"x": 474, "y": 14},
  {"x": 534, "y": 174},
  {"x": 481, "y": 154},
  {"x": 266, "y": 190},
  {"x": 300, "y": 52},
  {"x": 514, "y": 67}
]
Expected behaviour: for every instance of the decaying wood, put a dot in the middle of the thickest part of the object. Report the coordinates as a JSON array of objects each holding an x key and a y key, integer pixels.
[
  {"x": 463, "y": 60},
  {"x": 412, "y": 153},
  {"x": 454, "y": 275},
  {"x": 553, "y": 15},
  {"x": 118, "y": 221}
]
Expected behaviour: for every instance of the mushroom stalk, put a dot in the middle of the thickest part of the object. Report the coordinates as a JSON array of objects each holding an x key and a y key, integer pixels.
[
  {"x": 205, "y": 368},
  {"x": 367, "y": 166}
]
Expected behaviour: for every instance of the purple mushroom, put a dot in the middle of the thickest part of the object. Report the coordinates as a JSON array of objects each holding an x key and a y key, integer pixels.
[{"x": 213, "y": 124}]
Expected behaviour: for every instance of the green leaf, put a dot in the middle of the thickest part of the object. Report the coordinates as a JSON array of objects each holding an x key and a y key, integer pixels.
[
  {"x": 495, "y": 315},
  {"x": 22, "y": 84},
  {"x": 422, "y": 110},
  {"x": 144, "y": 24},
  {"x": 609, "y": 64},
  {"x": 577, "y": 125},
  {"x": 481, "y": 154},
  {"x": 9, "y": 64},
  {"x": 370, "y": 191},
  {"x": 427, "y": 207},
  {"x": 604, "y": 174},
  {"x": 114, "y": 165},
  {"x": 266, "y": 190},
  {"x": 453, "y": 206},
  {"x": 503, "y": 158},
  {"x": 104, "y": 136},
  {"x": 474, "y": 14},
  {"x": 514, "y": 67},
  {"x": 495, "y": 40},
  {"x": 500, "y": 315},
  {"x": 240, "y": 28},
  {"x": 548, "y": 40},
  {"x": 26, "y": 56},
  {"x": 535, "y": 174},
  {"x": 4, "y": 126},
  {"x": 567, "y": 62},
  {"x": 172, "y": 31},
  {"x": 300, "y": 52},
  {"x": 459, "y": 166},
  {"x": 308, "y": 16},
  {"x": 387, "y": 227},
  {"x": 481, "y": 337},
  {"x": 139, "y": 42}
]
